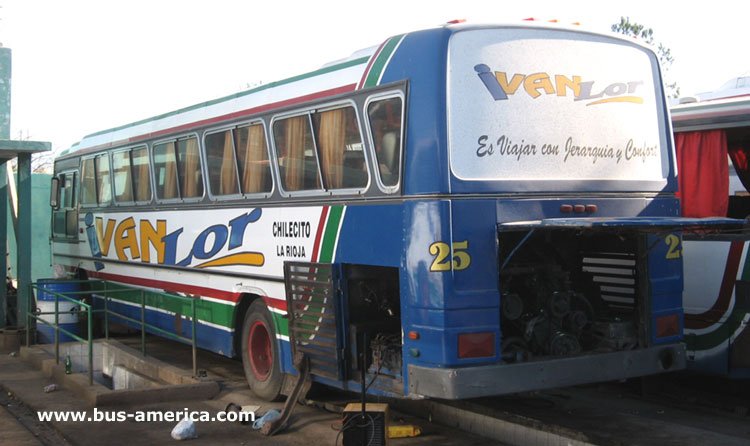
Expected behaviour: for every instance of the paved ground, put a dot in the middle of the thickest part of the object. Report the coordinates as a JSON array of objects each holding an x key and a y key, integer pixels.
[
  {"x": 13, "y": 432},
  {"x": 604, "y": 415},
  {"x": 309, "y": 425}
]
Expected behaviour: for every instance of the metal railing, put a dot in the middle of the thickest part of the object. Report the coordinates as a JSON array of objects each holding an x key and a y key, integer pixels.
[{"x": 103, "y": 289}]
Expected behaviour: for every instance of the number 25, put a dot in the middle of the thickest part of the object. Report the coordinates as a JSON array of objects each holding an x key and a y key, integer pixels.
[{"x": 443, "y": 260}]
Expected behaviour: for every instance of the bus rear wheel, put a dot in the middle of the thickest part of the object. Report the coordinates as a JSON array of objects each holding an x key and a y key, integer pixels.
[{"x": 260, "y": 353}]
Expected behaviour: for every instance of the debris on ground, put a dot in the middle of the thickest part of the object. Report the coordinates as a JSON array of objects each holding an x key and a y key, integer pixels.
[
  {"x": 50, "y": 388},
  {"x": 268, "y": 417},
  {"x": 185, "y": 430}
]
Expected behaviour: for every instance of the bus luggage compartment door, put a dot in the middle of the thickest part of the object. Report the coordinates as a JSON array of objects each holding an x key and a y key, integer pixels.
[{"x": 313, "y": 310}]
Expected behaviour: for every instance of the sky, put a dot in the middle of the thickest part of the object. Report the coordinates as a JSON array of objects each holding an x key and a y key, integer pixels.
[{"x": 80, "y": 66}]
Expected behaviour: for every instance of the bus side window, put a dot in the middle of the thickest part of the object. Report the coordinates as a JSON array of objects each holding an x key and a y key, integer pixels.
[
  {"x": 222, "y": 164},
  {"x": 298, "y": 163},
  {"x": 189, "y": 168},
  {"x": 252, "y": 157},
  {"x": 141, "y": 171},
  {"x": 122, "y": 177},
  {"x": 88, "y": 182},
  {"x": 385, "y": 123},
  {"x": 165, "y": 163},
  {"x": 340, "y": 149},
  {"x": 103, "y": 186}
]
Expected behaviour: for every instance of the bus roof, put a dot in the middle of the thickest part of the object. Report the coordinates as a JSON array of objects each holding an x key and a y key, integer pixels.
[
  {"x": 361, "y": 69},
  {"x": 721, "y": 113}
]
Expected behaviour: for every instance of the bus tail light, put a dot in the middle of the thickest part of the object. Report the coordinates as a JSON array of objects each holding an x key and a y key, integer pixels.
[
  {"x": 667, "y": 326},
  {"x": 476, "y": 345}
]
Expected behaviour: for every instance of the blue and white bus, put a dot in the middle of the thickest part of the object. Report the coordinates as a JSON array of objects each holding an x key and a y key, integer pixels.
[{"x": 460, "y": 211}]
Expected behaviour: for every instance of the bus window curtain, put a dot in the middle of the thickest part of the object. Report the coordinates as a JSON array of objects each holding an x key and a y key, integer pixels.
[
  {"x": 190, "y": 170},
  {"x": 703, "y": 173},
  {"x": 331, "y": 140},
  {"x": 170, "y": 171},
  {"x": 295, "y": 151},
  {"x": 255, "y": 173},
  {"x": 142, "y": 175},
  {"x": 741, "y": 162},
  {"x": 228, "y": 178}
]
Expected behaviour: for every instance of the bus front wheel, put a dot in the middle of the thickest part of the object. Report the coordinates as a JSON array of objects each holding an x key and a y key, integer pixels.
[{"x": 260, "y": 353}]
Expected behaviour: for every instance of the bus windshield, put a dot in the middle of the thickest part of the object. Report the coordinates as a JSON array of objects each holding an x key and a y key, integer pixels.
[{"x": 529, "y": 104}]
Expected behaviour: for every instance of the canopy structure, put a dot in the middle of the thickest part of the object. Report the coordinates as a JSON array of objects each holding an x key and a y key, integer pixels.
[{"x": 10, "y": 149}]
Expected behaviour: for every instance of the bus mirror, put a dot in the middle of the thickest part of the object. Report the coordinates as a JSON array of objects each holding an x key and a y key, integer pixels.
[{"x": 54, "y": 193}]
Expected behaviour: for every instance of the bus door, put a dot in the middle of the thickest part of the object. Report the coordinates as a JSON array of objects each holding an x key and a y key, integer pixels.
[{"x": 64, "y": 206}]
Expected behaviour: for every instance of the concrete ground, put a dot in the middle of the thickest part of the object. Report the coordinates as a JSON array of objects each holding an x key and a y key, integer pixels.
[
  {"x": 310, "y": 425},
  {"x": 606, "y": 415}
]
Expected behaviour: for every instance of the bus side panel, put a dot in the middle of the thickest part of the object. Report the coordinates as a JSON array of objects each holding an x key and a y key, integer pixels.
[
  {"x": 715, "y": 316},
  {"x": 421, "y": 59},
  {"x": 371, "y": 235},
  {"x": 430, "y": 304},
  {"x": 666, "y": 319}
]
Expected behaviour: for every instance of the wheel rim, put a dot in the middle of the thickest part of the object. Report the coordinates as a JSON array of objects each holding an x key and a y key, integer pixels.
[{"x": 259, "y": 351}]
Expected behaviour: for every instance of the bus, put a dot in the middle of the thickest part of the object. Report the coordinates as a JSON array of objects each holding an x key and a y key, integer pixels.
[
  {"x": 715, "y": 135},
  {"x": 461, "y": 211}
]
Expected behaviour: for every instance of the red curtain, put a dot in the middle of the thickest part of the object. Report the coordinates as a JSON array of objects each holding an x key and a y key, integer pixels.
[
  {"x": 741, "y": 162},
  {"x": 703, "y": 173}
]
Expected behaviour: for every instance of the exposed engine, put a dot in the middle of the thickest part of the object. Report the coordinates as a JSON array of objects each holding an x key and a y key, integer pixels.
[{"x": 555, "y": 306}]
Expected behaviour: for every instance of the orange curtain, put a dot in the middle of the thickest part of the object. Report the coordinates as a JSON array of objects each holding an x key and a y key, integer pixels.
[
  {"x": 332, "y": 138},
  {"x": 191, "y": 170},
  {"x": 142, "y": 177},
  {"x": 256, "y": 165},
  {"x": 228, "y": 167},
  {"x": 88, "y": 194},
  {"x": 703, "y": 173},
  {"x": 122, "y": 168},
  {"x": 170, "y": 171},
  {"x": 102, "y": 173},
  {"x": 295, "y": 152}
]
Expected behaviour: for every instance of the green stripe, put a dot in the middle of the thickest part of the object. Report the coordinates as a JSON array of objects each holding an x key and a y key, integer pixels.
[
  {"x": 720, "y": 335},
  {"x": 207, "y": 311},
  {"x": 331, "y": 231},
  {"x": 724, "y": 331},
  {"x": 290, "y": 80},
  {"x": 379, "y": 65},
  {"x": 282, "y": 324}
]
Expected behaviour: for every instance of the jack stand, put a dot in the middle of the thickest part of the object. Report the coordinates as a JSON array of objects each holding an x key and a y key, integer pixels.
[{"x": 302, "y": 364}]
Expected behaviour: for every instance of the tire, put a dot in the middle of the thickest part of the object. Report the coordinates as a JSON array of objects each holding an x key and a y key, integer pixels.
[{"x": 260, "y": 353}]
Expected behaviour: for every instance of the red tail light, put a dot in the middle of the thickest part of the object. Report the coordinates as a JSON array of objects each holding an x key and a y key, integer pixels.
[
  {"x": 476, "y": 345},
  {"x": 667, "y": 326}
]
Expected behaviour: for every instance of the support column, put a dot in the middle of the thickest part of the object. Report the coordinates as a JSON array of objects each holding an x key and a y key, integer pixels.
[
  {"x": 5, "y": 70},
  {"x": 24, "y": 235},
  {"x": 3, "y": 242}
]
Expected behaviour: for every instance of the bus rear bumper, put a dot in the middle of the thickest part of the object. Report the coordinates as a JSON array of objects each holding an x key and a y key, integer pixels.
[{"x": 499, "y": 379}]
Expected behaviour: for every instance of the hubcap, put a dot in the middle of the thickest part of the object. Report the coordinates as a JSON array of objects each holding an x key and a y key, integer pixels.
[{"x": 260, "y": 351}]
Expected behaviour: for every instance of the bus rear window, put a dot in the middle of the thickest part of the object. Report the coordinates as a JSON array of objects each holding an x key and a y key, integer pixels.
[
  {"x": 529, "y": 104},
  {"x": 385, "y": 124}
]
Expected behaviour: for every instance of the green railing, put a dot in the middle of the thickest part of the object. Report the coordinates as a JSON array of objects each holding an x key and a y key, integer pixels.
[{"x": 102, "y": 289}]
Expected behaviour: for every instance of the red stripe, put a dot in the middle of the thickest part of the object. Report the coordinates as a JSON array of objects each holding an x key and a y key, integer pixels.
[
  {"x": 234, "y": 115},
  {"x": 720, "y": 307},
  {"x": 369, "y": 64},
  {"x": 169, "y": 287},
  {"x": 279, "y": 304},
  {"x": 319, "y": 233}
]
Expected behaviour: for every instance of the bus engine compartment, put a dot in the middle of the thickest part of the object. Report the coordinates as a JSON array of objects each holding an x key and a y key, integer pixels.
[{"x": 569, "y": 292}]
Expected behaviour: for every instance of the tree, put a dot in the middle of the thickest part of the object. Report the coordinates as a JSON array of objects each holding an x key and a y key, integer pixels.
[{"x": 638, "y": 31}]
